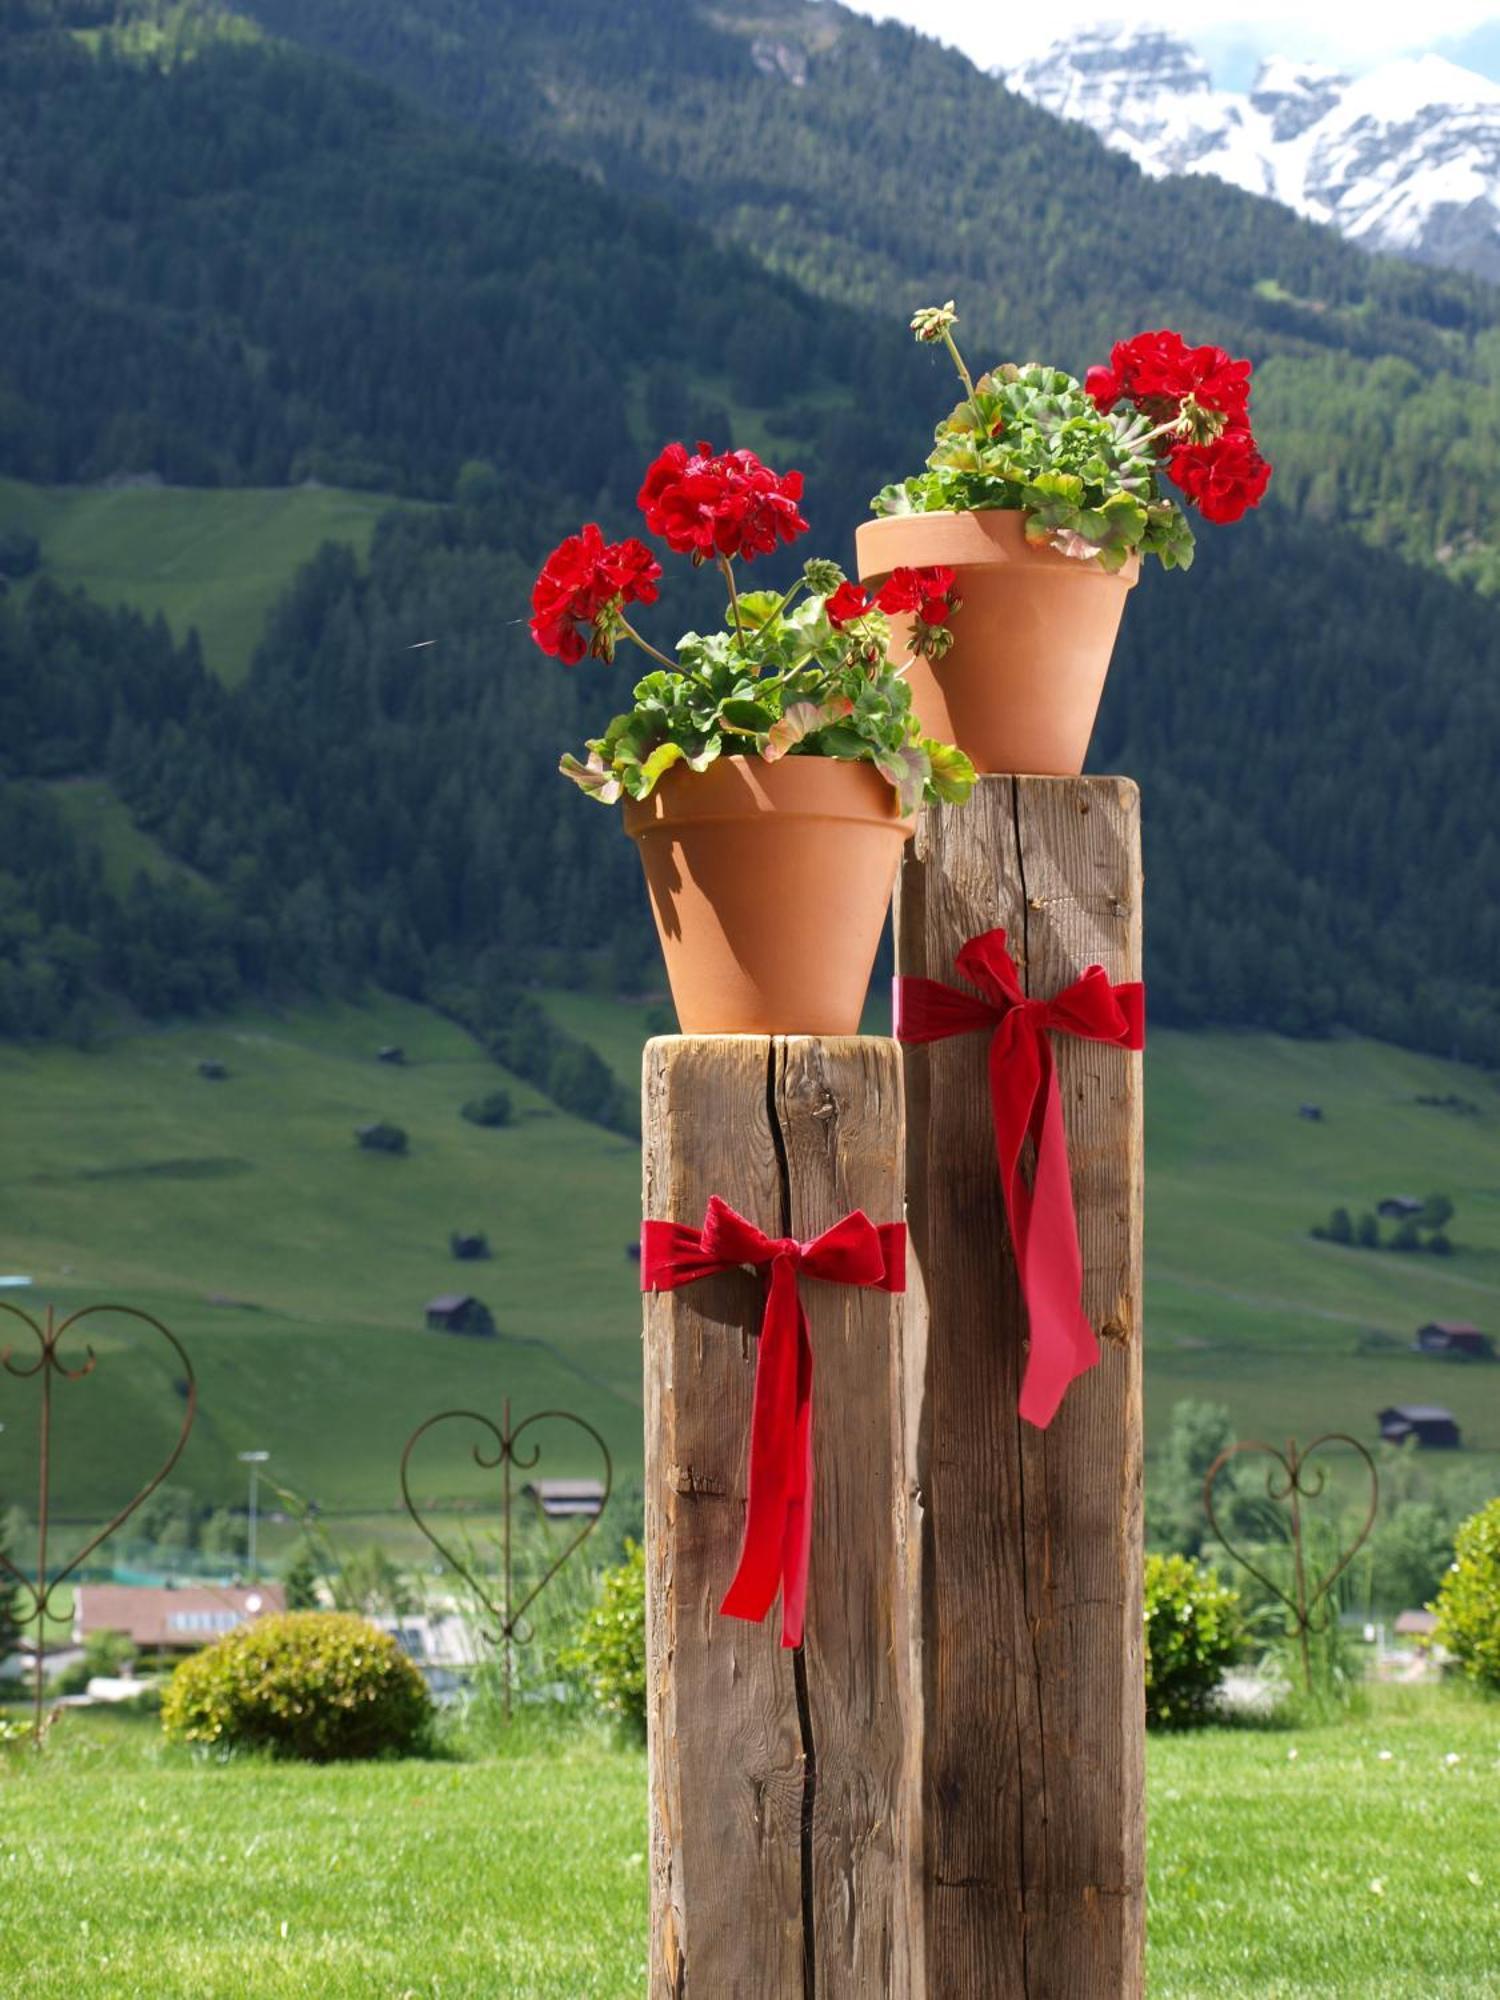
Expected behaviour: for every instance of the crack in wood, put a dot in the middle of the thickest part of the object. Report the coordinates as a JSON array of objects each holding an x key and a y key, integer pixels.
[{"x": 775, "y": 1079}]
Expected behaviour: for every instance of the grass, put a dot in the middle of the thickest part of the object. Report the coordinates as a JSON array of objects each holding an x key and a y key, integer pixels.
[
  {"x": 212, "y": 558},
  {"x": 295, "y": 1267},
  {"x": 129, "y": 1868},
  {"x": 1287, "y": 1865}
]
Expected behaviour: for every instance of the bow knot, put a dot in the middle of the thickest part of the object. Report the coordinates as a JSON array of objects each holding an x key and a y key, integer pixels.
[
  {"x": 778, "y": 1518},
  {"x": 1026, "y": 1104}
]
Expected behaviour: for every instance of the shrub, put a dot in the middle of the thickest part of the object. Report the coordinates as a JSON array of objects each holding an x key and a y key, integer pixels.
[
  {"x": 494, "y": 1108},
  {"x": 1192, "y": 1635},
  {"x": 314, "y": 1684},
  {"x": 382, "y": 1138},
  {"x": 609, "y": 1654},
  {"x": 1468, "y": 1599}
]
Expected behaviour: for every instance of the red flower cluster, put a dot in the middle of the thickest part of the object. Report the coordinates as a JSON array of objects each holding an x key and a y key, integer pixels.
[
  {"x": 1223, "y": 476},
  {"x": 1222, "y": 479},
  {"x": 1159, "y": 371},
  {"x": 706, "y": 503},
  {"x": 583, "y": 584},
  {"x": 930, "y": 593}
]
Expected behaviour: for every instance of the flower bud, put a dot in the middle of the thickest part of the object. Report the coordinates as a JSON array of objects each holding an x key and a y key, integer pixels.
[
  {"x": 821, "y": 576},
  {"x": 930, "y": 323}
]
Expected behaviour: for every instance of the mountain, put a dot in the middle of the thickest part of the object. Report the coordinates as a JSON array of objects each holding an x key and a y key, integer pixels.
[
  {"x": 496, "y": 284},
  {"x": 1404, "y": 158}
]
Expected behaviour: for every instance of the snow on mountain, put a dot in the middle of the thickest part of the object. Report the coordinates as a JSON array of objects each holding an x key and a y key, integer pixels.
[{"x": 1405, "y": 158}]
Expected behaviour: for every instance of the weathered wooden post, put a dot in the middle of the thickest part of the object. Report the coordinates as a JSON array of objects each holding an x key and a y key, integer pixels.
[
  {"x": 783, "y": 1783},
  {"x": 1029, "y": 1628}
]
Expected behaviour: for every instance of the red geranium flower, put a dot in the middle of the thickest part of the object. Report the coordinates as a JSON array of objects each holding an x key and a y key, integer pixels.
[
  {"x": 708, "y": 503},
  {"x": 847, "y": 603},
  {"x": 583, "y": 585},
  {"x": 1222, "y": 479},
  {"x": 1159, "y": 371},
  {"x": 929, "y": 592}
]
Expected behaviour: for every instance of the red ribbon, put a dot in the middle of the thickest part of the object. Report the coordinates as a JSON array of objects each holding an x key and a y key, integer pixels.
[
  {"x": 1026, "y": 1104},
  {"x": 778, "y": 1519}
]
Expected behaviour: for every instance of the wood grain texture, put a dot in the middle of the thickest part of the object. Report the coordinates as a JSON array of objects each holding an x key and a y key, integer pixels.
[
  {"x": 794, "y": 1133},
  {"x": 1030, "y": 1626}
]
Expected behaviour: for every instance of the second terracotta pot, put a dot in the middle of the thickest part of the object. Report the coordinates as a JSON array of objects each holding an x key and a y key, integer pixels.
[
  {"x": 769, "y": 884},
  {"x": 1019, "y": 688}
]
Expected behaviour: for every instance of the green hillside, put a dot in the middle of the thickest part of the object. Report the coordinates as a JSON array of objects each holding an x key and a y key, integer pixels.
[
  {"x": 213, "y": 560},
  {"x": 295, "y": 1266}
]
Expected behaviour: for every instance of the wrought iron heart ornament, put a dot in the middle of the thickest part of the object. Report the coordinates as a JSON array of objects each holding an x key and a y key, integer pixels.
[
  {"x": 1290, "y": 1479},
  {"x": 503, "y": 1455},
  {"x": 44, "y": 1370}
]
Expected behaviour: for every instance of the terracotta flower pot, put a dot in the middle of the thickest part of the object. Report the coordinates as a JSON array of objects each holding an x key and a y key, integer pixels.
[
  {"x": 1020, "y": 686},
  {"x": 769, "y": 883}
]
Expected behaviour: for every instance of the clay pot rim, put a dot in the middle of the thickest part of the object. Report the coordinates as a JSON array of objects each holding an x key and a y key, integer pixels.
[
  {"x": 974, "y": 537},
  {"x": 687, "y": 798}
]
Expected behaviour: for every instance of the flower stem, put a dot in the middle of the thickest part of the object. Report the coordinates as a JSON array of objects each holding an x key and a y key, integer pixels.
[
  {"x": 727, "y": 566},
  {"x": 645, "y": 644},
  {"x": 964, "y": 376}
]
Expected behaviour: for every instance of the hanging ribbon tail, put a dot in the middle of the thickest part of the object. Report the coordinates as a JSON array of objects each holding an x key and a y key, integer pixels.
[
  {"x": 773, "y": 1554},
  {"x": 1063, "y": 1344},
  {"x": 925, "y": 1010}
]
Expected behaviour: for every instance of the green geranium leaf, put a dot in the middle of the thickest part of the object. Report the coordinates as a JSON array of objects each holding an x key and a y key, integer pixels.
[
  {"x": 756, "y": 607},
  {"x": 747, "y": 718},
  {"x": 951, "y": 773},
  {"x": 592, "y": 777},
  {"x": 661, "y": 760}
]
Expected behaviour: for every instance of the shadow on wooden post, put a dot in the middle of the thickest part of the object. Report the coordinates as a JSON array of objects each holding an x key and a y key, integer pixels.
[
  {"x": 774, "y": 1878},
  {"x": 1030, "y": 1627}
]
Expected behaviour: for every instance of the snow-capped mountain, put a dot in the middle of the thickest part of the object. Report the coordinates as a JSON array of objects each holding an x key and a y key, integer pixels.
[{"x": 1405, "y": 158}]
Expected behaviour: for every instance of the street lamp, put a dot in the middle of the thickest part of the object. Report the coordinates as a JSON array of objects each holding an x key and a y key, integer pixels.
[{"x": 255, "y": 1460}]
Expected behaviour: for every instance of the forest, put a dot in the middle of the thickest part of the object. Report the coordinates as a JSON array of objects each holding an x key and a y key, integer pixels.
[{"x": 230, "y": 261}]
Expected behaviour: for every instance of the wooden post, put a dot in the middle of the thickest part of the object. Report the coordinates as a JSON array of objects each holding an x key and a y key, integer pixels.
[
  {"x": 1030, "y": 1629},
  {"x": 783, "y": 1863}
]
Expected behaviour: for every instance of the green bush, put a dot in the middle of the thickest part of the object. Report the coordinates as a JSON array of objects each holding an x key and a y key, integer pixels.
[
  {"x": 314, "y": 1684},
  {"x": 493, "y": 1108},
  {"x": 1468, "y": 1599},
  {"x": 609, "y": 1654},
  {"x": 1192, "y": 1634}
]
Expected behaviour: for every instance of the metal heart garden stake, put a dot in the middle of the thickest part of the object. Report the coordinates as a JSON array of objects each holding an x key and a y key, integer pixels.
[
  {"x": 509, "y": 1614},
  {"x": 40, "y": 1588},
  {"x": 1291, "y": 1486}
]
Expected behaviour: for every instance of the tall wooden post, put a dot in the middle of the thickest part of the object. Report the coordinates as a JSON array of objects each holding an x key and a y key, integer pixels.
[
  {"x": 783, "y": 1842},
  {"x": 1030, "y": 1618}
]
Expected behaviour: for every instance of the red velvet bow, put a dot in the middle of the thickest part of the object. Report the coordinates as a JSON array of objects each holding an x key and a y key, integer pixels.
[
  {"x": 1026, "y": 1104},
  {"x": 778, "y": 1520}
]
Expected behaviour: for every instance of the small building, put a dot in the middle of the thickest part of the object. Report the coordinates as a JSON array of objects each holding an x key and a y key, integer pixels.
[
  {"x": 1399, "y": 1207},
  {"x": 175, "y": 1619},
  {"x": 1313, "y": 1113},
  {"x": 1418, "y": 1625},
  {"x": 1456, "y": 1339},
  {"x": 212, "y": 1070},
  {"x": 1434, "y": 1428},
  {"x": 460, "y": 1312},
  {"x": 567, "y": 1499},
  {"x": 469, "y": 1247},
  {"x": 391, "y": 1053},
  {"x": 633, "y": 1250}
]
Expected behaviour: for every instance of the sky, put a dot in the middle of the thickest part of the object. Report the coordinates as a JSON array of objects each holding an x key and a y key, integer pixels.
[{"x": 1231, "y": 39}]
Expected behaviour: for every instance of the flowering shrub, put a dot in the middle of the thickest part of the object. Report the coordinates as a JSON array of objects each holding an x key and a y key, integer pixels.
[
  {"x": 1468, "y": 1599},
  {"x": 796, "y": 673},
  {"x": 1083, "y": 462},
  {"x": 314, "y": 1684},
  {"x": 1193, "y": 1633}
]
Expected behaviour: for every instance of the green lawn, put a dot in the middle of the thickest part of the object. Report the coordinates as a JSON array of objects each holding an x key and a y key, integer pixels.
[
  {"x": 216, "y": 558},
  {"x": 1285, "y": 1865},
  {"x": 1282, "y": 1865}
]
